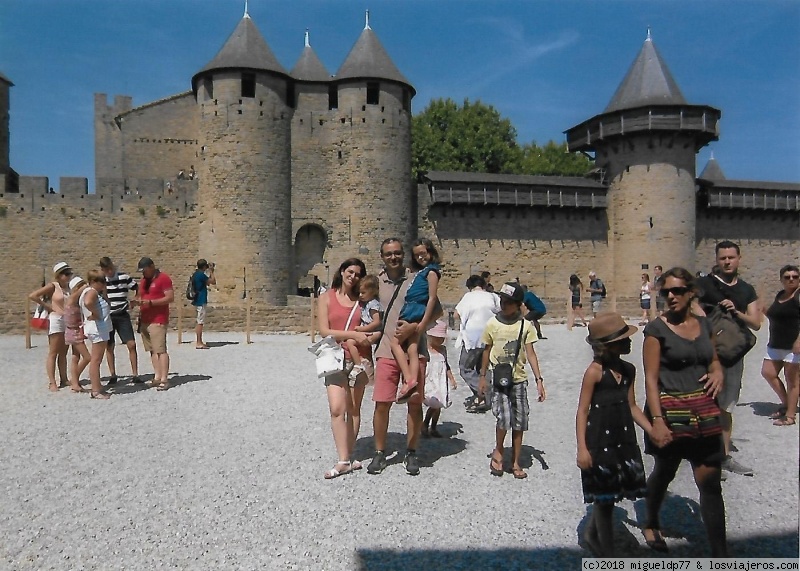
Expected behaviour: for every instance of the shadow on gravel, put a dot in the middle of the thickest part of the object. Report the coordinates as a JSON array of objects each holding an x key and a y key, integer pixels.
[
  {"x": 175, "y": 380},
  {"x": 528, "y": 454},
  {"x": 221, "y": 343},
  {"x": 525, "y": 559},
  {"x": 429, "y": 449},
  {"x": 762, "y": 408},
  {"x": 625, "y": 543},
  {"x": 474, "y": 559}
]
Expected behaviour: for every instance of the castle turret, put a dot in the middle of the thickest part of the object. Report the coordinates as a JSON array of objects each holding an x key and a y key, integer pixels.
[
  {"x": 645, "y": 143},
  {"x": 245, "y": 101}
]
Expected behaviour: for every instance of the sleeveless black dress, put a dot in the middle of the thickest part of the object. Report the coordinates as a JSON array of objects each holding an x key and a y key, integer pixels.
[{"x": 617, "y": 470}]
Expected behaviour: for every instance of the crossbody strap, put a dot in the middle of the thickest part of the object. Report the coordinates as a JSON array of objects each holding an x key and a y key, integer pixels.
[
  {"x": 388, "y": 309},
  {"x": 519, "y": 341},
  {"x": 350, "y": 318}
]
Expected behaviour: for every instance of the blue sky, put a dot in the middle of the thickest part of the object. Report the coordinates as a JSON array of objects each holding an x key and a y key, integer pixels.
[{"x": 545, "y": 65}]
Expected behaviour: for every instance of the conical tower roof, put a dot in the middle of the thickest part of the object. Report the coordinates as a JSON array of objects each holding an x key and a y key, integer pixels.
[
  {"x": 712, "y": 171},
  {"x": 309, "y": 67},
  {"x": 244, "y": 49},
  {"x": 4, "y": 78},
  {"x": 368, "y": 59},
  {"x": 648, "y": 82}
]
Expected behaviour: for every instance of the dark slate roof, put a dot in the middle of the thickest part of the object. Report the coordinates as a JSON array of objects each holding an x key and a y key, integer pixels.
[
  {"x": 244, "y": 49},
  {"x": 648, "y": 82},
  {"x": 4, "y": 78},
  {"x": 512, "y": 179},
  {"x": 750, "y": 185},
  {"x": 309, "y": 67},
  {"x": 712, "y": 172},
  {"x": 368, "y": 59}
]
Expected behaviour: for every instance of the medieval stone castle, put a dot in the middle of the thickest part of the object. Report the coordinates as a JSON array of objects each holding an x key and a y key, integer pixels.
[{"x": 284, "y": 174}]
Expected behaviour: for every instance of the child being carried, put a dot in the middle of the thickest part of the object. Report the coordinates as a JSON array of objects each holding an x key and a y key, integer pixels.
[{"x": 371, "y": 320}]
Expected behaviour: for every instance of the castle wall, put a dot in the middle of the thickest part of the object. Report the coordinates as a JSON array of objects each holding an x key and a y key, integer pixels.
[
  {"x": 768, "y": 241},
  {"x": 161, "y": 138},
  {"x": 245, "y": 184},
  {"x": 540, "y": 246},
  {"x": 108, "y": 146},
  {"x": 77, "y": 231}
]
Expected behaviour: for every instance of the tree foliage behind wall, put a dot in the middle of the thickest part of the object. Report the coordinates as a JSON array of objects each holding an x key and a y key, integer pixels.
[{"x": 474, "y": 137}]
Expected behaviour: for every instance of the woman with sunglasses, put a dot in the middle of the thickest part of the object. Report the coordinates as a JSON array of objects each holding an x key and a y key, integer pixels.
[
  {"x": 783, "y": 347},
  {"x": 52, "y": 297},
  {"x": 682, "y": 377}
]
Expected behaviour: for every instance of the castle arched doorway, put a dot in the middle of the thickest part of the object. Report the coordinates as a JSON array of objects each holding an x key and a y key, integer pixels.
[{"x": 309, "y": 248}]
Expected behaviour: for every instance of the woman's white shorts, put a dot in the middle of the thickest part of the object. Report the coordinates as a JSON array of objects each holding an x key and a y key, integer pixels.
[{"x": 784, "y": 355}]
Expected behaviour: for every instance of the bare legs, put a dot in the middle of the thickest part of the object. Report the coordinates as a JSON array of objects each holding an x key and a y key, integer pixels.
[
  {"x": 132, "y": 354},
  {"x": 406, "y": 353},
  {"x": 57, "y": 354},
  {"x": 770, "y": 370},
  {"x": 712, "y": 505},
  {"x": 80, "y": 360},
  {"x": 97, "y": 352},
  {"x": 198, "y": 332},
  {"x": 160, "y": 368},
  {"x": 344, "y": 404},
  {"x": 516, "y": 449}
]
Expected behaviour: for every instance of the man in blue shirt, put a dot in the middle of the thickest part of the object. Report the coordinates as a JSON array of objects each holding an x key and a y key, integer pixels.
[
  {"x": 201, "y": 279},
  {"x": 536, "y": 310}
]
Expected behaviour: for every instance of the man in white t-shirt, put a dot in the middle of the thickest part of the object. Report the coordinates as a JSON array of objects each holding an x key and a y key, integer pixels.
[{"x": 474, "y": 311}]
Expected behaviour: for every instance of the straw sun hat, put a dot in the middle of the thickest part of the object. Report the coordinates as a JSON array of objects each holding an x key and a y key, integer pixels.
[{"x": 608, "y": 327}]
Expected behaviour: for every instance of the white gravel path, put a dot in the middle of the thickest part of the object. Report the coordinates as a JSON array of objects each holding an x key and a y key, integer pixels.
[{"x": 224, "y": 471}]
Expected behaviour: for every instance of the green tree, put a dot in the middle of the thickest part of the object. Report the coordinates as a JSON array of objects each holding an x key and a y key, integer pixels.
[{"x": 474, "y": 137}]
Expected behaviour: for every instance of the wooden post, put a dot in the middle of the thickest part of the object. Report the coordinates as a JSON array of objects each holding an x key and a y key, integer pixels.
[
  {"x": 27, "y": 323},
  {"x": 570, "y": 312},
  {"x": 312, "y": 328},
  {"x": 247, "y": 323},
  {"x": 180, "y": 322}
]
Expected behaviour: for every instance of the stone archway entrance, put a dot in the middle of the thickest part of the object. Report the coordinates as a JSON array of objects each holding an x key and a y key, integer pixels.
[{"x": 309, "y": 247}]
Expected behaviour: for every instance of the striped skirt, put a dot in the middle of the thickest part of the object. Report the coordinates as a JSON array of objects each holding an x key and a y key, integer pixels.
[{"x": 691, "y": 415}]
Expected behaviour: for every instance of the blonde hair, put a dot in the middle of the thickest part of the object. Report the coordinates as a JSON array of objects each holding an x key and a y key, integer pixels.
[
  {"x": 371, "y": 284},
  {"x": 95, "y": 276}
]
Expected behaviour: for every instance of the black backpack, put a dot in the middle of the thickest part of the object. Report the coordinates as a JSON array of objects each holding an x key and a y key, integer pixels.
[
  {"x": 603, "y": 289},
  {"x": 191, "y": 293}
]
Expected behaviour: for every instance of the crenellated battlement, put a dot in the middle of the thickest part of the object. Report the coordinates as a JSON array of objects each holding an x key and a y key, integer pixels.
[{"x": 111, "y": 196}]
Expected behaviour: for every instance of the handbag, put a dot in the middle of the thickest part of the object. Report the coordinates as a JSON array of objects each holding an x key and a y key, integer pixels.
[
  {"x": 40, "y": 319},
  {"x": 329, "y": 353},
  {"x": 732, "y": 339},
  {"x": 503, "y": 373},
  {"x": 691, "y": 415}
]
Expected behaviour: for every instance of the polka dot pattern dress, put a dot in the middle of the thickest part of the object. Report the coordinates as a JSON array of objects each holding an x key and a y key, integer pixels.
[{"x": 617, "y": 470}]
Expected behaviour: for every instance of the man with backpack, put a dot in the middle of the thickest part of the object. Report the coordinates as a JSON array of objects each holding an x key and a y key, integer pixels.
[
  {"x": 197, "y": 291},
  {"x": 536, "y": 310},
  {"x": 597, "y": 289}
]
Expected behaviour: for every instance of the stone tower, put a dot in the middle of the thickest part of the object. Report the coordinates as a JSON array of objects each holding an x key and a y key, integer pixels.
[
  {"x": 645, "y": 144},
  {"x": 245, "y": 105},
  {"x": 356, "y": 182}
]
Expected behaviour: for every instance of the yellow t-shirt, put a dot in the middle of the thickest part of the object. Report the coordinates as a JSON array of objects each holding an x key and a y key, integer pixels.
[{"x": 503, "y": 339}]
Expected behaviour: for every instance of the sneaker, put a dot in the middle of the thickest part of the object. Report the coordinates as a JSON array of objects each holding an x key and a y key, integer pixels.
[
  {"x": 112, "y": 380},
  {"x": 378, "y": 463},
  {"x": 734, "y": 467},
  {"x": 412, "y": 463}
]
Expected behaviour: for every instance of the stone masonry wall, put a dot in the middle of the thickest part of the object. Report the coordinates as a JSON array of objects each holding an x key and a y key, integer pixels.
[{"x": 160, "y": 139}]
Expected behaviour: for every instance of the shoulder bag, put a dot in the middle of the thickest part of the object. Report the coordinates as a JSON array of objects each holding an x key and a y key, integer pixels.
[
  {"x": 503, "y": 373},
  {"x": 732, "y": 338},
  {"x": 329, "y": 353}
]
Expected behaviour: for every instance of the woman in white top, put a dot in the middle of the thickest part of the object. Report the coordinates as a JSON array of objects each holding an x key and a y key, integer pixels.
[
  {"x": 474, "y": 311},
  {"x": 52, "y": 297},
  {"x": 644, "y": 299},
  {"x": 96, "y": 326}
]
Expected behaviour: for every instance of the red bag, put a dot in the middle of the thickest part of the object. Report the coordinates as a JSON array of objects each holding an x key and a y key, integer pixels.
[{"x": 40, "y": 320}]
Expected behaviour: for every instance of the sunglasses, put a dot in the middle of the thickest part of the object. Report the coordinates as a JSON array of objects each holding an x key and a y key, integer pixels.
[
  {"x": 788, "y": 277},
  {"x": 676, "y": 291}
]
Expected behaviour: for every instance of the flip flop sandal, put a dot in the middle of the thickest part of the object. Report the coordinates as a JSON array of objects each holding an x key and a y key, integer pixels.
[
  {"x": 784, "y": 422},
  {"x": 163, "y": 386},
  {"x": 778, "y": 414},
  {"x": 495, "y": 471},
  {"x": 520, "y": 474}
]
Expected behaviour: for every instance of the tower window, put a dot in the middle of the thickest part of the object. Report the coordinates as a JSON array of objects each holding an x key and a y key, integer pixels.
[
  {"x": 248, "y": 85},
  {"x": 291, "y": 98},
  {"x": 373, "y": 93},
  {"x": 333, "y": 97}
]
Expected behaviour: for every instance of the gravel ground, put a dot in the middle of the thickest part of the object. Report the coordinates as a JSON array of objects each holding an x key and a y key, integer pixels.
[{"x": 224, "y": 471}]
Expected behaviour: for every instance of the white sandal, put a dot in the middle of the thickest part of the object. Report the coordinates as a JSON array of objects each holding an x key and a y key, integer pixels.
[{"x": 334, "y": 473}]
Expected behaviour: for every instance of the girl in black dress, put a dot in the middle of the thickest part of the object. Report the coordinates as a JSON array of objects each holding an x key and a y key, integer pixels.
[{"x": 608, "y": 454}]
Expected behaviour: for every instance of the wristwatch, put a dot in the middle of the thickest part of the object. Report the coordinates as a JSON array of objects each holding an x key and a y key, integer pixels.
[{"x": 540, "y": 379}]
